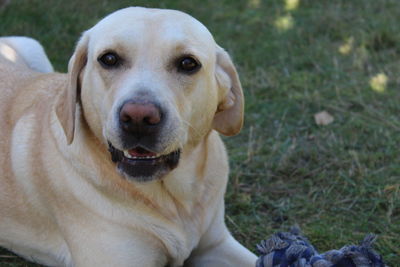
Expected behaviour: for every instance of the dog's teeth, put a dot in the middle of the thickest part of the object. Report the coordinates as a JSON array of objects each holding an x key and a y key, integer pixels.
[{"x": 127, "y": 155}]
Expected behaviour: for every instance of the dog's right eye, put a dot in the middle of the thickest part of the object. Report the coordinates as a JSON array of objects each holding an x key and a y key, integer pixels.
[
  {"x": 188, "y": 65},
  {"x": 109, "y": 60}
]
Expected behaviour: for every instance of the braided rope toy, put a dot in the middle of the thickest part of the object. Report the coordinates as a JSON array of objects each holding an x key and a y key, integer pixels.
[{"x": 291, "y": 249}]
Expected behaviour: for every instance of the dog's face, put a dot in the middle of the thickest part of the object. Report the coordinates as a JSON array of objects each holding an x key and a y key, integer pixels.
[{"x": 151, "y": 83}]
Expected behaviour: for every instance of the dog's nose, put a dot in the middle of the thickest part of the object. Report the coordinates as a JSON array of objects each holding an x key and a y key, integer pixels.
[{"x": 138, "y": 118}]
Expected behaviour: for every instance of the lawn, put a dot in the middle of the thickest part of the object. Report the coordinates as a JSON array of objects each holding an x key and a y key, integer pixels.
[{"x": 295, "y": 58}]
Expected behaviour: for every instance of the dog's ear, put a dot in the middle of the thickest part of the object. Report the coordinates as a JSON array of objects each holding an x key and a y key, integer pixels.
[
  {"x": 228, "y": 119},
  {"x": 66, "y": 105}
]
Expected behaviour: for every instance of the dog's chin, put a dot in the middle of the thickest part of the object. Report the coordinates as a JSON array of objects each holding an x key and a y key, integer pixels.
[{"x": 141, "y": 165}]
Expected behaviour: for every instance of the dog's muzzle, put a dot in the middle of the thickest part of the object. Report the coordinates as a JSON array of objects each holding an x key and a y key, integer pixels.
[{"x": 141, "y": 124}]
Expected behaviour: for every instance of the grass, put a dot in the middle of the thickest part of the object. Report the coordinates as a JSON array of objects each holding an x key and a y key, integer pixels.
[{"x": 337, "y": 182}]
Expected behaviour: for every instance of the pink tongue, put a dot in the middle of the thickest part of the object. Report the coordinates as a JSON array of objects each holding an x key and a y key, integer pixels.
[{"x": 140, "y": 152}]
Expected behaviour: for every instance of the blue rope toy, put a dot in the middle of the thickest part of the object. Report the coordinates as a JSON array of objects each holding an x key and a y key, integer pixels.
[{"x": 291, "y": 249}]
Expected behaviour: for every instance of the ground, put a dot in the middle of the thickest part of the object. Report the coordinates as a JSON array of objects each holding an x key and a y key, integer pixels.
[{"x": 295, "y": 58}]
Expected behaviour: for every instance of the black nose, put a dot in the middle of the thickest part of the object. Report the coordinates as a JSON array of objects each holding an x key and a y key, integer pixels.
[{"x": 140, "y": 119}]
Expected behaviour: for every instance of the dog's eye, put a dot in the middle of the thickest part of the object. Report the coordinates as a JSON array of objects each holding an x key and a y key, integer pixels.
[
  {"x": 109, "y": 60},
  {"x": 188, "y": 65}
]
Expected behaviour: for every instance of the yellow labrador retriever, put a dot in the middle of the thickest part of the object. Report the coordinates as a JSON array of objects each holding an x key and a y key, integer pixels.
[{"x": 119, "y": 162}]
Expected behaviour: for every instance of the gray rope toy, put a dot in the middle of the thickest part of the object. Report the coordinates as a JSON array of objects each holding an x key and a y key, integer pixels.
[{"x": 291, "y": 249}]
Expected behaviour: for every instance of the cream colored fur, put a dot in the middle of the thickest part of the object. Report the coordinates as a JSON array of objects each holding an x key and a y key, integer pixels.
[{"x": 62, "y": 201}]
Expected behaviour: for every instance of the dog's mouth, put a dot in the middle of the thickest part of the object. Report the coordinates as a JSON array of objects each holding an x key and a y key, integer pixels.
[{"x": 143, "y": 165}]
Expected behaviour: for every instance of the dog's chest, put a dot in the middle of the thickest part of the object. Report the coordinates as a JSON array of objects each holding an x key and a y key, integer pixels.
[{"x": 182, "y": 234}]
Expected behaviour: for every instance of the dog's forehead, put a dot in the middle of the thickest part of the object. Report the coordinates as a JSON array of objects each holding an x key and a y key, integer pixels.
[{"x": 136, "y": 24}]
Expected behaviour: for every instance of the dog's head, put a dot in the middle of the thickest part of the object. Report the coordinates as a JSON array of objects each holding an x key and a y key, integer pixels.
[{"x": 151, "y": 83}]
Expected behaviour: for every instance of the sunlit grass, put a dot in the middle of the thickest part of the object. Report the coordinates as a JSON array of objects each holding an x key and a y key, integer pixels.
[
  {"x": 284, "y": 23},
  {"x": 379, "y": 82},
  {"x": 291, "y": 5},
  {"x": 347, "y": 46},
  {"x": 254, "y": 3}
]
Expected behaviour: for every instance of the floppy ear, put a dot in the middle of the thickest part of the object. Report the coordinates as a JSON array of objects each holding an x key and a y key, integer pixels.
[
  {"x": 228, "y": 119},
  {"x": 66, "y": 105}
]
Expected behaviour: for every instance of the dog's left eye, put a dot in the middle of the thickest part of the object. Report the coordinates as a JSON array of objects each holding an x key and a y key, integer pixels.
[
  {"x": 188, "y": 65},
  {"x": 109, "y": 60}
]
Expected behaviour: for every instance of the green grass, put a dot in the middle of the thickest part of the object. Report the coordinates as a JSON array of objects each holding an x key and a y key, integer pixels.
[{"x": 337, "y": 182}]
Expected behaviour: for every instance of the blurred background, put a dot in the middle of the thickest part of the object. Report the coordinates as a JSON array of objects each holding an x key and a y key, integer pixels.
[{"x": 320, "y": 145}]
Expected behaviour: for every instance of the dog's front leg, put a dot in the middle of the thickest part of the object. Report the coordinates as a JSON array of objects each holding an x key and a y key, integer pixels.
[
  {"x": 228, "y": 253},
  {"x": 218, "y": 248},
  {"x": 113, "y": 246}
]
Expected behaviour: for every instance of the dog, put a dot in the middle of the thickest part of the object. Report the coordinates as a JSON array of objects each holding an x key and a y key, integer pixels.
[
  {"x": 119, "y": 162},
  {"x": 23, "y": 52}
]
